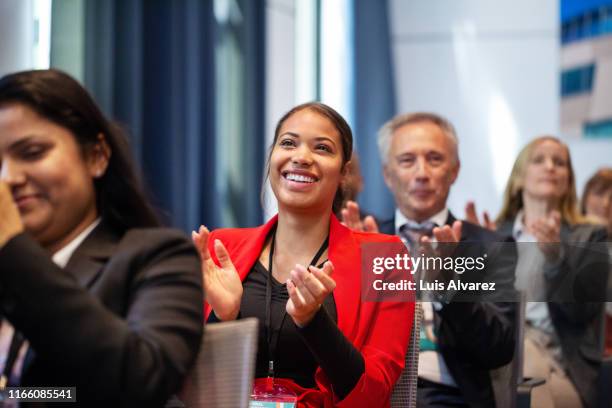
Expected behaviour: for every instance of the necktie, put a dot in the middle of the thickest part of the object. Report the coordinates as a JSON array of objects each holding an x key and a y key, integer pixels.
[{"x": 412, "y": 233}]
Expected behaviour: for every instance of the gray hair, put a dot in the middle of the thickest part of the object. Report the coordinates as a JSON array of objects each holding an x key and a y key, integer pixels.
[{"x": 386, "y": 131}]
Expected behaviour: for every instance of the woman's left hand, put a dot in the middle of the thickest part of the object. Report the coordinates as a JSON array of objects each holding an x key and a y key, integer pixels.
[
  {"x": 10, "y": 221},
  {"x": 307, "y": 289},
  {"x": 547, "y": 231}
]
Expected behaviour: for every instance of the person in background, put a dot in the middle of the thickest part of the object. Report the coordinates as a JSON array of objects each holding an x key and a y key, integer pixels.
[
  {"x": 94, "y": 294},
  {"x": 597, "y": 206},
  {"x": 597, "y": 199},
  {"x": 561, "y": 338},
  {"x": 300, "y": 274},
  {"x": 461, "y": 341}
]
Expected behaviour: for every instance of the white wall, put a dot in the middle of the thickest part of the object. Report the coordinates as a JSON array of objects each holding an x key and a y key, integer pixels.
[
  {"x": 491, "y": 69},
  {"x": 16, "y": 35},
  {"x": 280, "y": 73}
]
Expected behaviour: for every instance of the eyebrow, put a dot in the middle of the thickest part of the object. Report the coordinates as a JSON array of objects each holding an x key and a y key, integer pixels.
[
  {"x": 318, "y": 138},
  {"x": 21, "y": 142}
]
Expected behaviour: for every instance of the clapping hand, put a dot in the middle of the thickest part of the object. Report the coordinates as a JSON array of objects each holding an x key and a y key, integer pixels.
[
  {"x": 307, "y": 289},
  {"x": 472, "y": 216},
  {"x": 222, "y": 283},
  {"x": 449, "y": 237},
  {"x": 547, "y": 231},
  {"x": 10, "y": 220},
  {"x": 351, "y": 217}
]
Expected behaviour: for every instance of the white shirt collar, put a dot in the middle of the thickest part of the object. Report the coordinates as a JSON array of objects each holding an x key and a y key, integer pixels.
[
  {"x": 519, "y": 232},
  {"x": 61, "y": 257},
  {"x": 439, "y": 219}
]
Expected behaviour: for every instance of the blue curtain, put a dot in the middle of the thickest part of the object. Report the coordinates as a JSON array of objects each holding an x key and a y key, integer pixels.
[
  {"x": 151, "y": 65},
  {"x": 374, "y": 99}
]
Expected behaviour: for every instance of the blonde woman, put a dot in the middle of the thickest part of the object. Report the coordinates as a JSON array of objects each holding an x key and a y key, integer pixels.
[{"x": 561, "y": 339}]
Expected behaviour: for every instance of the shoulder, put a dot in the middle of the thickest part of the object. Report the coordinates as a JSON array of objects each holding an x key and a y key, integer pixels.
[
  {"x": 155, "y": 244},
  {"x": 154, "y": 237},
  {"x": 473, "y": 232},
  {"x": 235, "y": 237},
  {"x": 587, "y": 232},
  {"x": 366, "y": 237},
  {"x": 387, "y": 226}
]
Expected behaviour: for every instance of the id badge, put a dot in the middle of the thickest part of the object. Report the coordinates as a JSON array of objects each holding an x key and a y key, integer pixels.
[{"x": 267, "y": 394}]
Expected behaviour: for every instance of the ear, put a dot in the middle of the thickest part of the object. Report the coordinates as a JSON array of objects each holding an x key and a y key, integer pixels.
[
  {"x": 455, "y": 172},
  {"x": 99, "y": 157},
  {"x": 346, "y": 167}
]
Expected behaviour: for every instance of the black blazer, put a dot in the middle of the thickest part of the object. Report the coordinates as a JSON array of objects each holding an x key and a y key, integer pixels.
[
  {"x": 476, "y": 337},
  {"x": 122, "y": 322},
  {"x": 581, "y": 275}
]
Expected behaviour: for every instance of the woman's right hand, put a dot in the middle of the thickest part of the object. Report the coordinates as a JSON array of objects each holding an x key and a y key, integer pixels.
[
  {"x": 10, "y": 222},
  {"x": 222, "y": 284}
]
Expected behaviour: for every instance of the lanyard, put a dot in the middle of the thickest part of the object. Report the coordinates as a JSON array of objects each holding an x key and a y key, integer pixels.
[{"x": 273, "y": 345}]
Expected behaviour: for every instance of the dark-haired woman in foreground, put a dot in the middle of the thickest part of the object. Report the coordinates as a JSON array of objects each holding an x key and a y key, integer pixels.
[
  {"x": 93, "y": 293},
  {"x": 300, "y": 274}
]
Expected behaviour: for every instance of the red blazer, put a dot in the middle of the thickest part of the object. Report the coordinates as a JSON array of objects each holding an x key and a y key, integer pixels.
[{"x": 379, "y": 330}]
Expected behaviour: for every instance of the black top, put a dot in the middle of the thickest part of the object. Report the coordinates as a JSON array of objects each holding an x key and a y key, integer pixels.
[
  {"x": 292, "y": 358},
  {"x": 299, "y": 351}
]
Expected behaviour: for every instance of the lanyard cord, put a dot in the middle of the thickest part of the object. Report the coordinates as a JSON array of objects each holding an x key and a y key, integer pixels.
[{"x": 272, "y": 346}]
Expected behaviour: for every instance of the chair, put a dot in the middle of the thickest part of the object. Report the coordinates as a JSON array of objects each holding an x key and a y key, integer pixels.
[
  {"x": 604, "y": 386},
  {"x": 404, "y": 393},
  {"x": 512, "y": 373},
  {"x": 223, "y": 373}
]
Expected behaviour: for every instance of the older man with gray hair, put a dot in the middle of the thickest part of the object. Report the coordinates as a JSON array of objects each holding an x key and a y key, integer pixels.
[{"x": 461, "y": 341}]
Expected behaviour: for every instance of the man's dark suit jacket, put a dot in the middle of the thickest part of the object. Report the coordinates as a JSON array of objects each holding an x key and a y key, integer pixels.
[
  {"x": 476, "y": 337},
  {"x": 582, "y": 276},
  {"x": 122, "y": 322}
]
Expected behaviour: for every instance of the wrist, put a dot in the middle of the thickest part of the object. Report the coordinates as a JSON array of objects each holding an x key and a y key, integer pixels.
[{"x": 304, "y": 320}]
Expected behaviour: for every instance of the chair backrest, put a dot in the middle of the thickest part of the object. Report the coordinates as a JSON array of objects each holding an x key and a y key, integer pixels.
[
  {"x": 405, "y": 391},
  {"x": 223, "y": 373},
  {"x": 511, "y": 373}
]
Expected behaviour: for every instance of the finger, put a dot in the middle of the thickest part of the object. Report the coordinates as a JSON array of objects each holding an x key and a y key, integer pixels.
[
  {"x": 456, "y": 231},
  {"x": 345, "y": 216},
  {"x": 443, "y": 234},
  {"x": 303, "y": 284},
  {"x": 470, "y": 213},
  {"x": 201, "y": 242},
  {"x": 324, "y": 279},
  {"x": 370, "y": 224},
  {"x": 487, "y": 221},
  {"x": 222, "y": 255},
  {"x": 328, "y": 268},
  {"x": 426, "y": 246},
  {"x": 353, "y": 214},
  {"x": 539, "y": 232},
  {"x": 294, "y": 295},
  {"x": 554, "y": 221}
]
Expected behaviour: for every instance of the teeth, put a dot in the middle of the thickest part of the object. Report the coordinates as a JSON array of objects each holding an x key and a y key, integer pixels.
[{"x": 299, "y": 178}]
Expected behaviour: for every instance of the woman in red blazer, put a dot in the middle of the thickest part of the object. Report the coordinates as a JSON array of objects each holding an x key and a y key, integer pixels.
[{"x": 317, "y": 338}]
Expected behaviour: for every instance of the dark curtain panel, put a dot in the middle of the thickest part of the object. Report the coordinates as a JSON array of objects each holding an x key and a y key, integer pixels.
[
  {"x": 374, "y": 99},
  {"x": 151, "y": 66}
]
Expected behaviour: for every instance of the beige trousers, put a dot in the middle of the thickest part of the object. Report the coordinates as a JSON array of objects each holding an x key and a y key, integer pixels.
[{"x": 558, "y": 391}]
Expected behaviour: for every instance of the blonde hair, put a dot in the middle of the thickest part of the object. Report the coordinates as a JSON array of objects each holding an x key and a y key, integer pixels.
[{"x": 513, "y": 194}]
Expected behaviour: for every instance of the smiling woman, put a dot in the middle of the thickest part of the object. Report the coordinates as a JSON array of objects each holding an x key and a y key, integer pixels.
[
  {"x": 83, "y": 262},
  {"x": 300, "y": 275}
]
